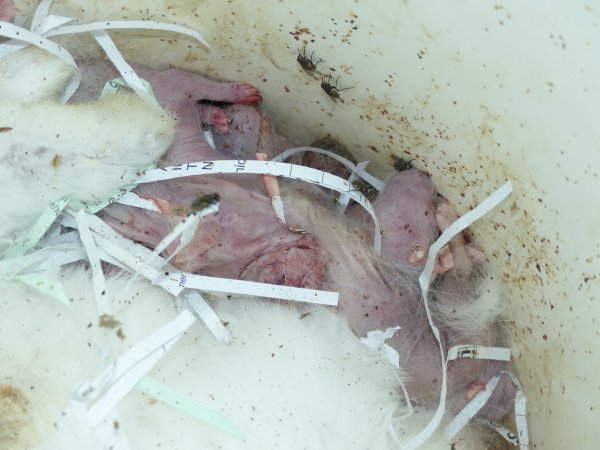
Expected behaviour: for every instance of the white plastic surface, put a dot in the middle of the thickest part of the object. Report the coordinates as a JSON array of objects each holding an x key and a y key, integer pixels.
[{"x": 477, "y": 93}]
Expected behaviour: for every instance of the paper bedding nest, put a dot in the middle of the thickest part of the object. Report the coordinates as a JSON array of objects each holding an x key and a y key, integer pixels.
[{"x": 116, "y": 359}]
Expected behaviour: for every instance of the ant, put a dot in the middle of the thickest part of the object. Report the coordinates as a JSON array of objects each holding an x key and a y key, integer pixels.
[
  {"x": 307, "y": 63},
  {"x": 332, "y": 90}
]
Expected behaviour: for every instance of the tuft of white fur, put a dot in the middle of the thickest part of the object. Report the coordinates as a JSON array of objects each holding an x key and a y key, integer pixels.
[
  {"x": 32, "y": 75},
  {"x": 293, "y": 377},
  {"x": 472, "y": 316},
  {"x": 84, "y": 152}
]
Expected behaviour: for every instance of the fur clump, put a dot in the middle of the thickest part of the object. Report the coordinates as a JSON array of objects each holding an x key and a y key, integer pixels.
[
  {"x": 32, "y": 75},
  {"x": 474, "y": 310},
  {"x": 293, "y": 376},
  {"x": 47, "y": 151}
]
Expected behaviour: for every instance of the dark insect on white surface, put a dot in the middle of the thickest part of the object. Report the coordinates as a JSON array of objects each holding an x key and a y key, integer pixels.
[
  {"x": 331, "y": 89},
  {"x": 307, "y": 63}
]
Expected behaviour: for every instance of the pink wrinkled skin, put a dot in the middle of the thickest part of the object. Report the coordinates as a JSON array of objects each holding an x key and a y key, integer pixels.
[
  {"x": 246, "y": 241},
  {"x": 7, "y": 10}
]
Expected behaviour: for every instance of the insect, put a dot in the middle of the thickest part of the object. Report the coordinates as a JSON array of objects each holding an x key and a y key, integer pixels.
[
  {"x": 332, "y": 89},
  {"x": 365, "y": 188},
  {"x": 307, "y": 63},
  {"x": 204, "y": 201},
  {"x": 401, "y": 164}
]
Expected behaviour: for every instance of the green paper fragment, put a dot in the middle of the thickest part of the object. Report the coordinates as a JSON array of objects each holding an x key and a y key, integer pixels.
[
  {"x": 39, "y": 228},
  {"x": 179, "y": 401},
  {"x": 47, "y": 285},
  {"x": 113, "y": 86}
]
